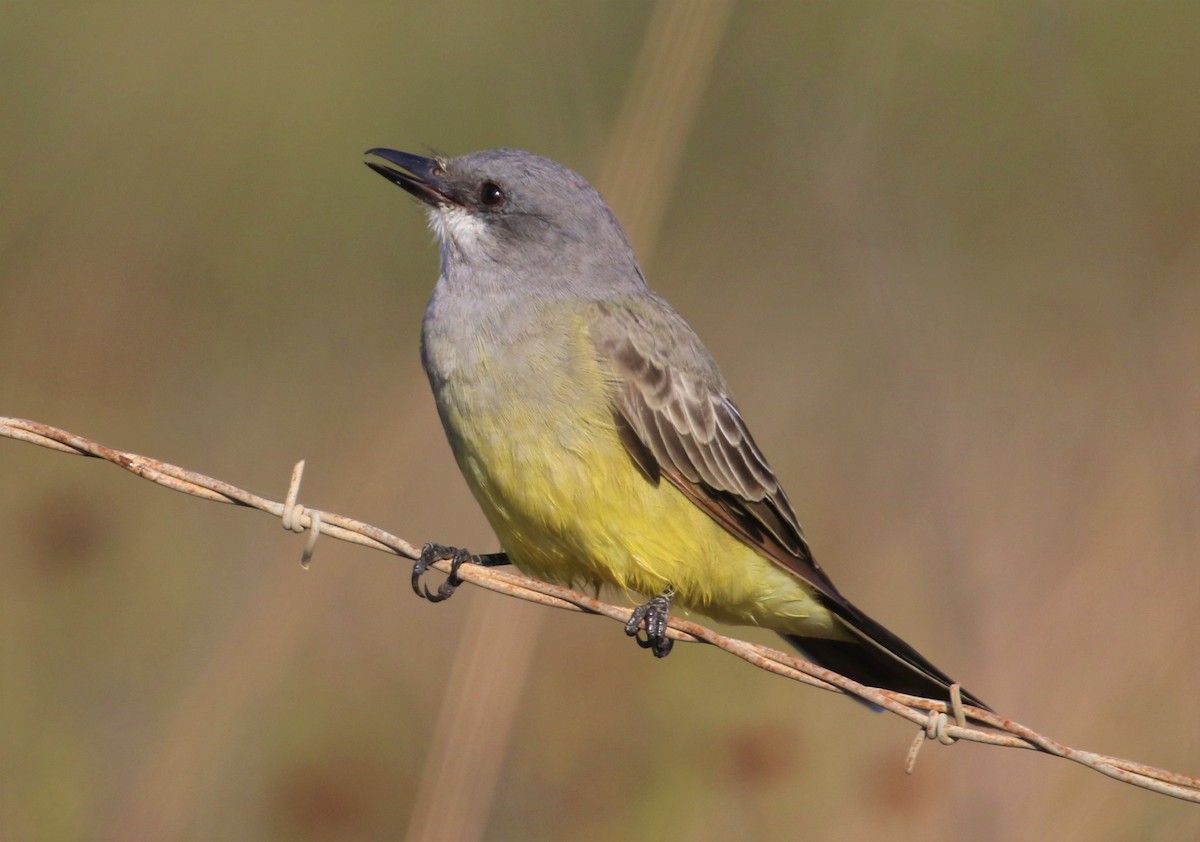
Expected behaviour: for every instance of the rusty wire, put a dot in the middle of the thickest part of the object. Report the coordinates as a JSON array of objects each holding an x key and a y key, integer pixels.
[{"x": 935, "y": 719}]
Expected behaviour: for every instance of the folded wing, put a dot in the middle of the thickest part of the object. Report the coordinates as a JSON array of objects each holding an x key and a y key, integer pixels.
[{"x": 678, "y": 423}]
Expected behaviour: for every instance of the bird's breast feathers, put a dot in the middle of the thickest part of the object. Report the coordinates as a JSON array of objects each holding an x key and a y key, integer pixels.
[{"x": 530, "y": 422}]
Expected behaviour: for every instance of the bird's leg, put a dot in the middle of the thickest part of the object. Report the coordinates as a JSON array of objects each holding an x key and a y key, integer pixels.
[
  {"x": 457, "y": 557},
  {"x": 653, "y": 618}
]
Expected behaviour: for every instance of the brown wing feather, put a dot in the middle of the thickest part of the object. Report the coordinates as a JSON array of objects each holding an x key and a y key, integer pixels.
[
  {"x": 677, "y": 421},
  {"x": 676, "y": 426}
]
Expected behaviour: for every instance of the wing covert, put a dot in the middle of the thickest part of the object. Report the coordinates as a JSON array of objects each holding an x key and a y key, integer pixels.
[{"x": 677, "y": 421}]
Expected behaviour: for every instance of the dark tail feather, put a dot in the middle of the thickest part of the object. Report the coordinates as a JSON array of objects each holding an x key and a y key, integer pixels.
[{"x": 879, "y": 659}]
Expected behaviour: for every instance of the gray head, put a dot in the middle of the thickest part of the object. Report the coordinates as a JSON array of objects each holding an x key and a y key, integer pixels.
[{"x": 504, "y": 216}]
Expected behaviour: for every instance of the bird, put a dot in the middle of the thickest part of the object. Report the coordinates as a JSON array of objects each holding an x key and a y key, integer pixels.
[{"x": 597, "y": 433}]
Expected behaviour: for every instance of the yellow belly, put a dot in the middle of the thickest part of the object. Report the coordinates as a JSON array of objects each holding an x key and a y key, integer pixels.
[{"x": 570, "y": 506}]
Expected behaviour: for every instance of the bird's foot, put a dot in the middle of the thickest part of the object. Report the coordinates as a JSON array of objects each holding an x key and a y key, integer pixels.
[
  {"x": 652, "y": 618},
  {"x": 457, "y": 558}
]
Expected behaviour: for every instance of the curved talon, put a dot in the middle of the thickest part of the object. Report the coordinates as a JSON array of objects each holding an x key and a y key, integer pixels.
[
  {"x": 437, "y": 552},
  {"x": 457, "y": 557},
  {"x": 652, "y": 618},
  {"x": 445, "y": 590}
]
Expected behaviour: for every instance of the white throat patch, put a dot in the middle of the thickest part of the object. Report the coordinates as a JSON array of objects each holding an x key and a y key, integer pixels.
[{"x": 458, "y": 226}]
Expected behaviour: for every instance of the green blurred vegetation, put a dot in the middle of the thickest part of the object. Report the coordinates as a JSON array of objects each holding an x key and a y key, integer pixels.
[{"x": 948, "y": 255}]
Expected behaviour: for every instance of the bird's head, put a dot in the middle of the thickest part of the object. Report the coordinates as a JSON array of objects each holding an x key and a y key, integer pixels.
[{"x": 511, "y": 210}]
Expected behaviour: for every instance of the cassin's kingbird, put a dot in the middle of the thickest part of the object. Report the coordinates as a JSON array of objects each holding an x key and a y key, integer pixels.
[{"x": 595, "y": 430}]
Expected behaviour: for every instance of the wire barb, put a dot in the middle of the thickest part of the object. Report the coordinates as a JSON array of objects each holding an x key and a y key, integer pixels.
[
  {"x": 936, "y": 727},
  {"x": 294, "y": 515},
  {"x": 956, "y": 705},
  {"x": 932, "y": 716}
]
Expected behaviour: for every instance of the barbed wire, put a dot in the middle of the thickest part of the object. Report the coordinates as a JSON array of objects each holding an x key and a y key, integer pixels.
[{"x": 935, "y": 719}]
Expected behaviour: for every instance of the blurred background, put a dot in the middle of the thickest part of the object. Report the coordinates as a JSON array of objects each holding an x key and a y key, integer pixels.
[{"x": 948, "y": 255}]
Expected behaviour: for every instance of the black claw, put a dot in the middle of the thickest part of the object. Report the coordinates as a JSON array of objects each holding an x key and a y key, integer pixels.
[
  {"x": 436, "y": 552},
  {"x": 652, "y": 618},
  {"x": 457, "y": 557}
]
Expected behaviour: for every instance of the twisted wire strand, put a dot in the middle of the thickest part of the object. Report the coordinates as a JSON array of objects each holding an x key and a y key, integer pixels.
[{"x": 935, "y": 719}]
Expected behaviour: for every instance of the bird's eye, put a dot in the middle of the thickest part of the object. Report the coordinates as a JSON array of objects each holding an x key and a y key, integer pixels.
[{"x": 490, "y": 194}]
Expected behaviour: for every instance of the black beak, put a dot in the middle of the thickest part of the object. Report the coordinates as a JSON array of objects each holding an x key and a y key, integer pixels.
[{"x": 424, "y": 178}]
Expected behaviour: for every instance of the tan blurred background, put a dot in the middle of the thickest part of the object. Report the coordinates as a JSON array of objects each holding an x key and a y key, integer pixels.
[{"x": 948, "y": 255}]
